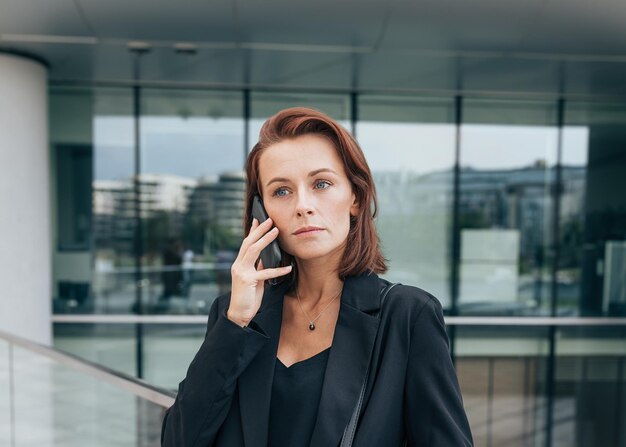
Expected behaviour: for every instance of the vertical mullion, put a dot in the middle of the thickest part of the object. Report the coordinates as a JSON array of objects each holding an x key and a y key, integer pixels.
[
  {"x": 556, "y": 210},
  {"x": 246, "y": 123},
  {"x": 456, "y": 231},
  {"x": 618, "y": 410},
  {"x": 556, "y": 198},
  {"x": 354, "y": 112},
  {"x": 138, "y": 242},
  {"x": 490, "y": 386}
]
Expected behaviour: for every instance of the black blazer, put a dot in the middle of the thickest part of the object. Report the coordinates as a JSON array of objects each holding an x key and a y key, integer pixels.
[{"x": 412, "y": 391}]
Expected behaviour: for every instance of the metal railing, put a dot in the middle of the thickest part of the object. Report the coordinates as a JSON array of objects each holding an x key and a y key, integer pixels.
[
  {"x": 137, "y": 387},
  {"x": 450, "y": 321}
]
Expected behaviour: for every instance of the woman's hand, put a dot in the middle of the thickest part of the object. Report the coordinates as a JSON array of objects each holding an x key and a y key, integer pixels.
[{"x": 247, "y": 282}]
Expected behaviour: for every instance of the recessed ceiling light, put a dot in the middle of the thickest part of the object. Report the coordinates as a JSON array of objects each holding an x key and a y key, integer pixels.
[
  {"x": 139, "y": 46},
  {"x": 185, "y": 48}
]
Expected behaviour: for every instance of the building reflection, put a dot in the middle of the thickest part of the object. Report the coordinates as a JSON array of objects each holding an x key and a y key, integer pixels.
[{"x": 202, "y": 217}]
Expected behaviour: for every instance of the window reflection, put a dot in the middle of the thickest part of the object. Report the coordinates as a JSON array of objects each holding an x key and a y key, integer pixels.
[
  {"x": 409, "y": 145},
  {"x": 505, "y": 207},
  {"x": 92, "y": 148},
  {"x": 113, "y": 208},
  {"x": 192, "y": 196}
]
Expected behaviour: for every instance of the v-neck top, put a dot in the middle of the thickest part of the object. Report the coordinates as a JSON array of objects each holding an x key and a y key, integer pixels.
[{"x": 296, "y": 393}]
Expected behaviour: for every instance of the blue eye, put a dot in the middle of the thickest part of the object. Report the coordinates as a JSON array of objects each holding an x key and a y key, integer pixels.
[
  {"x": 322, "y": 182},
  {"x": 277, "y": 192}
]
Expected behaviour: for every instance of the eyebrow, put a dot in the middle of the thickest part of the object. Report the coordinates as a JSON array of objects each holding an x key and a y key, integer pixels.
[{"x": 311, "y": 174}]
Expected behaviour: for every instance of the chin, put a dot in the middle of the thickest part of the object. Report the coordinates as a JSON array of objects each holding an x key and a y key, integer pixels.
[{"x": 305, "y": 254}]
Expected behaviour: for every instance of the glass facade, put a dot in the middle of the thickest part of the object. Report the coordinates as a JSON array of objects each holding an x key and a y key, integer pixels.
[
  {"x": 91, "y": 139},
  {"x": 500, "y": 207},
  {"x": 410, "y": 147},
  {"x": 191, "y": 195},
  {"x": 502, "y": 373},
  {"x": 590, "y": 396},
  {"x": 507, "y": 169}
]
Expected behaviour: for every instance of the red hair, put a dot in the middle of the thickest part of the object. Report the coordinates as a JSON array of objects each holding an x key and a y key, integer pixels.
[{"x": 363, "y": 251}]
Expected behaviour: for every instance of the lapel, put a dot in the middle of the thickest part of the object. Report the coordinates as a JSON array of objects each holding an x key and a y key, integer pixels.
[
  {"x": 348, "y": 360},
  {"x": 255, "y": 383}
]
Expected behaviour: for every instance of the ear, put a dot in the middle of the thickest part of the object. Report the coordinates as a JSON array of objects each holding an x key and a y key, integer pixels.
[{"x": 354, "y": 208}]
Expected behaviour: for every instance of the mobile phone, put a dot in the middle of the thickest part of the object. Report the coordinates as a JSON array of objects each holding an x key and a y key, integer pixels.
[{"x": 270, "y": 255}]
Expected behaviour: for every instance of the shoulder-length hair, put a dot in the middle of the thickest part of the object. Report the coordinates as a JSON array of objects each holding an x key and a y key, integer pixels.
[{"x": 363, "y": 250}]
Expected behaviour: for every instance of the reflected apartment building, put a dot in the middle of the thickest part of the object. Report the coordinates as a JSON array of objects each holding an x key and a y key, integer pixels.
[{"x": 201, "y": 215}]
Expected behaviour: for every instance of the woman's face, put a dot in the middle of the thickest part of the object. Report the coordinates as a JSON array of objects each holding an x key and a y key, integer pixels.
[{"x": 303, "y": 183}]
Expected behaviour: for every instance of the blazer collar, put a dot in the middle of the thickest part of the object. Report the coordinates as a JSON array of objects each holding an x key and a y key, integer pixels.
[{"x": 348, "y": 360}]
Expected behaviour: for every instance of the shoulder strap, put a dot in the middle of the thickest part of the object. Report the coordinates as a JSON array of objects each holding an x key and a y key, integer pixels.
[
  {"x": 348, "y": 434},
  {"x": 383, "y": 295}
]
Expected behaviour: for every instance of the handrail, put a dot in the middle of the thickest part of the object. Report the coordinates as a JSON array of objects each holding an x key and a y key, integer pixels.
[
  {"x": 535, "y": 321},
  {"x": 129, "y": 319},
  {"x": 138, "y": 387},
  {"x": 450, "y": 321}
]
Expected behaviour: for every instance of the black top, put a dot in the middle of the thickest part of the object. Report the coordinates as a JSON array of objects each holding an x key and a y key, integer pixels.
[{"x": 296, "y": 393}]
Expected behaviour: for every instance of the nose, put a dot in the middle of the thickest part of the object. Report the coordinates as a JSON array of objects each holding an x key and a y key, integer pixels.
[{"x": 304, "y": 205}]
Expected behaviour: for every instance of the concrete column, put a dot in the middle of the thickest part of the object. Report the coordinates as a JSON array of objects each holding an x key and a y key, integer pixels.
[{"x": 25, "y": 236}]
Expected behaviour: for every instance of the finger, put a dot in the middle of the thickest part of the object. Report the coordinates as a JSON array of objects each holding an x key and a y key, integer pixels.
[
  {"x": 254, "y": 250},
  {"x": 256, "y": 231},
  {"x": 266, "y": 274},
  {"x": 244, "y": 244},
  {"x": 260, "y": 229},
  {"x": 250, "y": 238}
]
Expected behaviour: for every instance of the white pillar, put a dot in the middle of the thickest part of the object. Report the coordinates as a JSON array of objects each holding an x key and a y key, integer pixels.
[{"x": 25, "y": 236}]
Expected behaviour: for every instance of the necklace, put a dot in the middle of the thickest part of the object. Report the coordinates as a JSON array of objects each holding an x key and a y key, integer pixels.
[{"x": 312, "y": 322}]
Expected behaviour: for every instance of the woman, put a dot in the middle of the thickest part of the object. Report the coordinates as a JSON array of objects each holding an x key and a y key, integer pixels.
[{"x": 284, "y": 364}]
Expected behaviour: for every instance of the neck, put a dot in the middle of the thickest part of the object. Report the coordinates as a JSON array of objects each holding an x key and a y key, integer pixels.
[{"x": 317, "y": 282}]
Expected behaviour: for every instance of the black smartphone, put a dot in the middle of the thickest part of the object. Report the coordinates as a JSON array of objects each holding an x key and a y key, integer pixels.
[{"x": 270, "y": 255}]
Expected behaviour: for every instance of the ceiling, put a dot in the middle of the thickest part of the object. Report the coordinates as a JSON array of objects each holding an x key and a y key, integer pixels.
[{"x": 547, "y": 48}]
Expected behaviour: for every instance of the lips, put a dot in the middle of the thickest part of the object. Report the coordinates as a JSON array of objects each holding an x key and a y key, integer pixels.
[{"x": 306, "y": 229}]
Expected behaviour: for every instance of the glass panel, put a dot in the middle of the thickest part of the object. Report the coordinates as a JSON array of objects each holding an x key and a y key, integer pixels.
[
  {"x": 501, "y": 371},
  {"x": 114, "y": 225},
  {"x": 168, "y": 351},
  {"x": 91, "y": 140},
  {"x": 111, "y": 345},
  {"x": 264, "y": 105},
  {"x": 507, "y": 173},
  {"x": 192, "y": 196},
  {"x": 410, "y": 147},
  {"x": 592, "y": 261},
  {"x": 55, "y": 405},
  {"x": 590, "y": 379}
]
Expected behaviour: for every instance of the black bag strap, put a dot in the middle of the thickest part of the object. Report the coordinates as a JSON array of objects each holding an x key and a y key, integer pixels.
[{"x": 348, "y": 434}]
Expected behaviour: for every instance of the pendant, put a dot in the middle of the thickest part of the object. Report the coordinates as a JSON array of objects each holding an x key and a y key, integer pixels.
[{"x": 312, "y": 326}]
